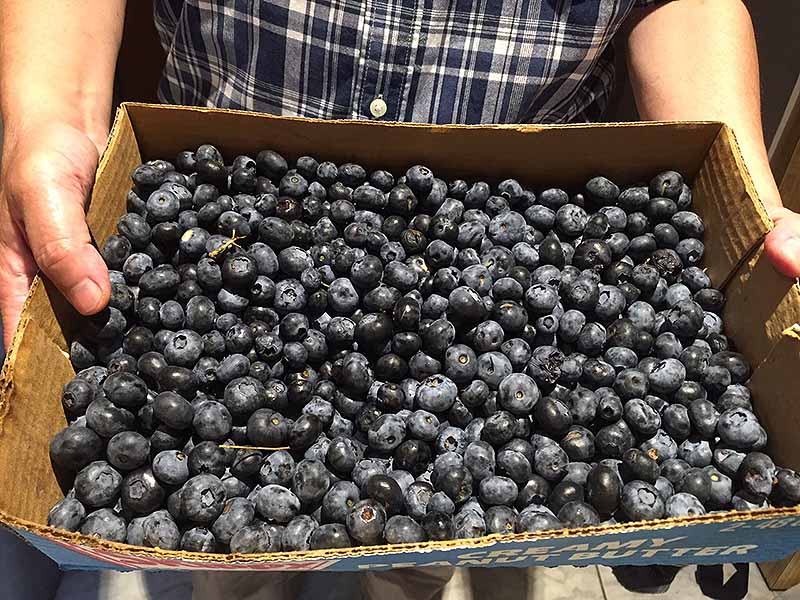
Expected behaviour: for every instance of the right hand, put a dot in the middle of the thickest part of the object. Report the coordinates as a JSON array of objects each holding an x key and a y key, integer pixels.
[{"x": 47, "y": 173}]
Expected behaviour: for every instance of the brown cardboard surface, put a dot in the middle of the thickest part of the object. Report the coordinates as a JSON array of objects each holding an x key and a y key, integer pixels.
[
  {"x": 557, "y": 155},
  {"x": 27, "y": 484},
  {"x": 761, "y": 305},
  {"x": 774, "y": 388},
  {"x": 38, "y": 365},
  {"x": 110, "y": 192},
  {"x": 781, "y": 574},
  {"x": 735, "y": 220}
]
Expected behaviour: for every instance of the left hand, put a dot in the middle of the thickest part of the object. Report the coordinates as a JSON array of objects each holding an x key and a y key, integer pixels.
[{"x": 783, "y": 243}]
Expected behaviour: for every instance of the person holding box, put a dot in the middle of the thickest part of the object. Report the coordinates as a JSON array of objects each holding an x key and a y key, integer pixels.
[{"x": 441, "y": 61}]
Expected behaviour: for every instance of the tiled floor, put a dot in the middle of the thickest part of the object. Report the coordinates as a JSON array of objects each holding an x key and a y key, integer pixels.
[{"x": 730, "y": 582}]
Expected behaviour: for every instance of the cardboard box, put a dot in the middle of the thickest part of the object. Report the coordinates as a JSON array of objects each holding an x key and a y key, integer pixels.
[{"x": 761, "y": 315}]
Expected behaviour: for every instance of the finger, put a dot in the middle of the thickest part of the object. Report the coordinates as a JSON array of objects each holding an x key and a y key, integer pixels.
[
  {"x": 17, "y": 270},
  {"x": 55, "y": 225},
  {"x": 783, "y": 245}
]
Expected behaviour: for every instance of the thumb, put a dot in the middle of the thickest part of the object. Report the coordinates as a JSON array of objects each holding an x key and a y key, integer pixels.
[
  {"x": 55, "y": 226},
  {"x": 783, "y": 243}
]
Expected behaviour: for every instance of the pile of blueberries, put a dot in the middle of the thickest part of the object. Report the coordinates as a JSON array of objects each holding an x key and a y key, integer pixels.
[{"x": 314, "y": 356}]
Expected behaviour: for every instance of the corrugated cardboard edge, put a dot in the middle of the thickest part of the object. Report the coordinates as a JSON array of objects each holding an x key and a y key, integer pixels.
[
  {"x": 7, "y": 373},
  {"x": 736, "y": 220},
  {"x": 9, "y": 364},
  {"x": 425, "y": 547}
]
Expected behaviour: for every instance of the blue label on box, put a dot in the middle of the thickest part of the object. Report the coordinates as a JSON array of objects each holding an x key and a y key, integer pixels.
[{"x": 710, "y": 543}]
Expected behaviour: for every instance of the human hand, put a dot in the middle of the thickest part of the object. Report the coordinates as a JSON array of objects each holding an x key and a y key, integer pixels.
[
  {"x": 47, "y": 173},
  {"x": 783, "y": 242}
]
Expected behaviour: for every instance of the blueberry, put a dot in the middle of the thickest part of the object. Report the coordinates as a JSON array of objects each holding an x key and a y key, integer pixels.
[
  {"x": 104, "y": 524},
  {"x": 255, "y": 538},
  {"x": 451, "y": 439},
  {"x": 638, "y": 465},
  {"x": 125, "y": 390},
  {"x": 198, "y": 539},
  {"x": 331, "y": 535},
  {"x": 160, "y": 531},
  {"x": 744, "y": 502},
  {"x": 456, "y": 482},
  {"x": 537, "y": 518},
  {"x": 500, "y": 519},
  {"x": 603, "y": 489},
  {"x": 298, "y": 532},
  {"x": 236, "y": 514},
  {"x": 578, "y": 514},
  {"x": 277, "y": 503},
  {"x": 66, "y": 514},
  {"x": 667, "y": 376},
  {"x": 518, "y": 394},
  {"x": 499, "y": 427},
  {"x": 609, "y": 407},
  {"x": 583, "y": 405},
  {"x": 786, "y": 487},
  {"x": 366, "y": 521},
  {"x": 611, "y": 441},
  {"x": 212, "y": 421},
  {"x": 697, "y": 453},
  {"x": 696, "y": 482},
  {"x": 493, "y": 368},
  {"x": 578, "y": 443},
  {"x": 756, "y": 475},
  {"x": 468, "y": 524},
  {"x": 721, "y": 488},
  {"x": 553, "y": 416},
  {"x": 683, "y": 504},
  {"x": 386, "y": 492},
  {"x": 550, "y": 462},
  {"x": 641, "y": 501},
  {"x": 641, "y": 417},
  {"x": 310, "y": 480},
  {"x": 541, "y": 298},
  {"x": 171, "y": 467},
  {"x": 602, "y": 191},
  {"x": 591, "y": 339},
  {"x": 304, "y": 432},
  {"x": 243, "y": 396},
  {"x": 202, "y": 498},
  {"x": 209, "y": 457},
  {"x": 497, "y": 490}
]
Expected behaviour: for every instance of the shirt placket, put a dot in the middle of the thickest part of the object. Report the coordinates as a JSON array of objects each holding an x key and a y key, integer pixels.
[{"x": 389, "y": 50}]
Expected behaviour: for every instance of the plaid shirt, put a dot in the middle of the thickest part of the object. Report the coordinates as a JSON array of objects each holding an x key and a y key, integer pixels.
[{"x": 435, "y": 61}]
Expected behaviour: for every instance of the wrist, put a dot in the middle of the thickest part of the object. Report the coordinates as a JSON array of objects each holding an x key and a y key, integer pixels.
[
  {"x": 34, "y": 124},
  {"x": 87, "y": 114}
]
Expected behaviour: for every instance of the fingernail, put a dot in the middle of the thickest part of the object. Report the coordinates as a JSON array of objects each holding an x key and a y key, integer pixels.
[{"x": 85, "y": 296}]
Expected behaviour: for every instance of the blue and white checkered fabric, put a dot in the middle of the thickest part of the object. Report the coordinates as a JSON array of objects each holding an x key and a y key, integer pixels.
[{"x": 435, "y": 61}]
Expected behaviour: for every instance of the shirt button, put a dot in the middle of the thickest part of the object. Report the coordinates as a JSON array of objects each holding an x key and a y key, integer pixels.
[{"x": 377, "y": 107}]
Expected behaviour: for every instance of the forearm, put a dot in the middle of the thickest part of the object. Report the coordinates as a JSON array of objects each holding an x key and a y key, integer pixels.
[
  {"x": 57, "y": 61},
  {"x": 697, "y": 60}
]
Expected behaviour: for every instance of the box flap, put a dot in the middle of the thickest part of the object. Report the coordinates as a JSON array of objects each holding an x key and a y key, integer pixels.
[
  {"x": 761, "y": 305},
  {"x": 776, "y": 398},
  {"x": 735, "y": 220},
  {"x": 566, "y": 155}
]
